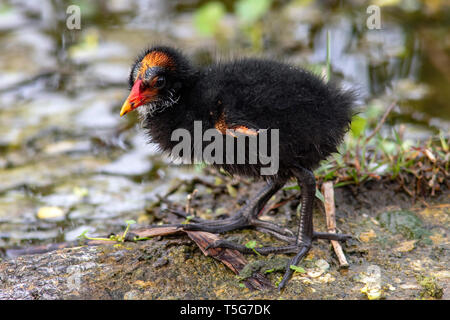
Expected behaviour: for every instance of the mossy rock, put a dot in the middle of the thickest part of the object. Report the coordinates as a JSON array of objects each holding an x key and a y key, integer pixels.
[
  {"x": 404, "y": 222},
  {"x": 431, "y": 288}
]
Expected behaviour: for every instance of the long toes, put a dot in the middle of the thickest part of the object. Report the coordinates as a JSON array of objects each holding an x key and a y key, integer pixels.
[
  {"x": 331, "y": 236},
  {"x": 289, "y": 239},
  {"x": 216, "y": 226},
  {"x": 277, "y": 250},
  {"x": 207, "y": 223},
  {"x": 272, "y": 227},
  {"x": 244, "y": 249},
  {"x": 201, "y": 227},
  {"x": 303, "y": 250}
]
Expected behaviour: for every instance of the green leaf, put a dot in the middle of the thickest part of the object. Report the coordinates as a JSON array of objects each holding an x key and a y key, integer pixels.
[
  {"x": 251, "y": 244},
  {"x": 188, "y": 218},
  {"x": 278, "y": 281},
  {"x": 207, "y": 17},
  {"x": 249, "y": 11},
  {"x": 358, "y": 126},
  {"x": 297, "y": 269},
  {"x": 232, "y": 190},
  {"x": 319, "y": 195},
  {"x": 296, "y": 187},
  {"x": 83, "y": 235},
  {"x": 341, "y": 184},
  {"x": 130, "y": 222}
]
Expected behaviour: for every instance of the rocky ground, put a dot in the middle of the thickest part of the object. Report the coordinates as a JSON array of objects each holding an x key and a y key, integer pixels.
[{"x": 400, "y": 251}]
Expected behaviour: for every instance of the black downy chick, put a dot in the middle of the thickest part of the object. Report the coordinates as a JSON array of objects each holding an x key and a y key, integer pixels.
[{"x": 246, "y": 97}]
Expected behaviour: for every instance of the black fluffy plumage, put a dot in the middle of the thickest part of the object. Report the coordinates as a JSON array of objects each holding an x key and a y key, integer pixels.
[{"x": 312, "y": 116}]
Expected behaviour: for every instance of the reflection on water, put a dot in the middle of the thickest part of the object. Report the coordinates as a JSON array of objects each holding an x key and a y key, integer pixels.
[{"x": 61, "y": 90}]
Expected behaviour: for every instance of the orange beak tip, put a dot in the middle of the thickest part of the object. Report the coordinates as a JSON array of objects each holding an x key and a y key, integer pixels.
[
  {"x": 134, "y": 100},
  {"x": 125, "y": 108}
]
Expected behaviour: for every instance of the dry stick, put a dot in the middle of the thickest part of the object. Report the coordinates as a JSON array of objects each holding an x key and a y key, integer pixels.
[
  {"x": 330, "y": 213},
  {"x": 188, "y": 202},
  {"x": 380, "y": 124}
]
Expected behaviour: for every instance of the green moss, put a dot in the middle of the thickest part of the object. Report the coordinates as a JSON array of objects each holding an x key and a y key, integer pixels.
[
  {"x": 269, "y": 265},
  {"x": 404, "y": 222},
  {"x": 431, "y": 288}
]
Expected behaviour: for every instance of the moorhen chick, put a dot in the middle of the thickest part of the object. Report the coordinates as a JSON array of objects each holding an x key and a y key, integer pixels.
[{"x": 246, "y": 97}]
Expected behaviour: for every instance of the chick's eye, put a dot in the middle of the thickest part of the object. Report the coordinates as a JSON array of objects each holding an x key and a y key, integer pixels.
[{"x": 160, "y": 82}]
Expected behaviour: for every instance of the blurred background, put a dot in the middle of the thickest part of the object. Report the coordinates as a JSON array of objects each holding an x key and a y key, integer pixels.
[{"x": 68, "y": 163}]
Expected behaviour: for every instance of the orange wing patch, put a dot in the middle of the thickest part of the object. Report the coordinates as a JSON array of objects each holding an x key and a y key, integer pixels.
[
  {"x": 245, "y": 130},
  {"x": 222, "y": 127}
]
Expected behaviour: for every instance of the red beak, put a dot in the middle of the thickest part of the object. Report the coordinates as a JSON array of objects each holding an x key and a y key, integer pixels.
[{"x": 134, "y": 100}]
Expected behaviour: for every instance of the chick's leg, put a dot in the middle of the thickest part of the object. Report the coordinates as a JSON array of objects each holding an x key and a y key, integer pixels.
[
  {"x": 247, "y": 216},
  {"x": 301, "y": 244},
  {"x": 305, "y": 231}
]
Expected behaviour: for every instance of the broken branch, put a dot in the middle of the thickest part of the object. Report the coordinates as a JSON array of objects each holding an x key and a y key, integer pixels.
[{"x": 330, "y": 213}]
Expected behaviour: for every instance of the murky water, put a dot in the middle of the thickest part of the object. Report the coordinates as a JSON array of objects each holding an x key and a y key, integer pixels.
[{"x": 63, "y": 145}]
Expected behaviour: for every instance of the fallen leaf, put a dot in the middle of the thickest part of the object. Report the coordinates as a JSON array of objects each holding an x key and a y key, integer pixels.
[
  {"x": 297, "y": 269},
  {"x": 406, "y": 246},
  {"x": 367, "y": 236},
  {"x": 372, "y": 293}
]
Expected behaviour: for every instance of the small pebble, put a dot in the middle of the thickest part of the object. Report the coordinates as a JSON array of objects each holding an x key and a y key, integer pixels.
[
  {"x": 160, "y": 262},
  {"x": 322, "y": 264}
]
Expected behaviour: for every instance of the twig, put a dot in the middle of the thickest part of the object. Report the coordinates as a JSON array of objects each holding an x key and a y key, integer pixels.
[
  {"x": 188, "y": 202},
  {"x": 330, "y": 213},
  {"x": 380, "y": 124}
]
